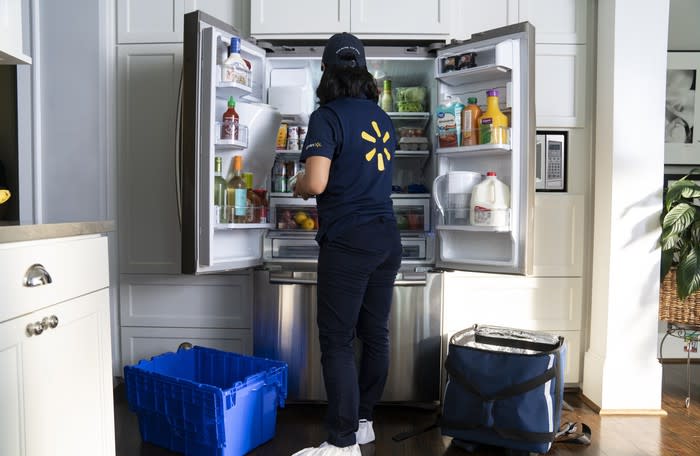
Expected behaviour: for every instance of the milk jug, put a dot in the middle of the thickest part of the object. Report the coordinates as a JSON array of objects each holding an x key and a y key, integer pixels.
[{"x": 490, "y": 202}]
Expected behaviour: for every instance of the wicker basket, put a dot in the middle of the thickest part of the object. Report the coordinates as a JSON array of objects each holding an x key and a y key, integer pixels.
[{"x": 673, "y": 309}]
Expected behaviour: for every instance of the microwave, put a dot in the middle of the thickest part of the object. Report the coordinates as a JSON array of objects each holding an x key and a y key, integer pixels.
[{"x": 550, "y": 171}]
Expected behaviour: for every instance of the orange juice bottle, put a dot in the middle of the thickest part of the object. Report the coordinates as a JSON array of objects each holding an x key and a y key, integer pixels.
[
  {"x": 493, "y": 124},
  {"x": 470, "y": 123}
]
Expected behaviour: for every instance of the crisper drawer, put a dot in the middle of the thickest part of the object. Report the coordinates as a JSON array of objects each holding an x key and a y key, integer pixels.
[
  {"x": 294, "y": 248},
  {"x": 293, "y": 214},
  {"x": 37, "y": 274},
  {"x": 412, "y": 212}
]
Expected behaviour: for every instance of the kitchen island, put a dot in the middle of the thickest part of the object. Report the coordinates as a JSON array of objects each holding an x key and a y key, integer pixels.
[{"x": 55, "y": 345}]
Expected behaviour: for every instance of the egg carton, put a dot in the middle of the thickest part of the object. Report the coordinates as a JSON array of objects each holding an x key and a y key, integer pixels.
[{"x": 413, "y": 143}]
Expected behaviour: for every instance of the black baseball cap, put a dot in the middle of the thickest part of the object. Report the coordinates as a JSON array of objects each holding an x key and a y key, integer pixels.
[{"x": 344, "y": 49}]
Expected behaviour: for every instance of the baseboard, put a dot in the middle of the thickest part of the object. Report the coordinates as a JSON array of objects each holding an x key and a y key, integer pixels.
[{"x": 622, "y": 412}]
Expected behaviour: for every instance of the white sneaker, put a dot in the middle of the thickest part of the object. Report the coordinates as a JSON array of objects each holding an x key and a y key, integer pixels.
[
  {"x": 365, "y": 432},
  {"x": 326, "y": 449}
]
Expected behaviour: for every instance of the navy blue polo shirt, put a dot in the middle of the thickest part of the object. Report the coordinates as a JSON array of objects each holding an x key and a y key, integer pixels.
[{"x": 359, "y": 139}]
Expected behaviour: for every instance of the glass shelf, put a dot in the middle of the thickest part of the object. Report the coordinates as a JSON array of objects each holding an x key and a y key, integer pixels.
[{"x": 474, "y": 151}]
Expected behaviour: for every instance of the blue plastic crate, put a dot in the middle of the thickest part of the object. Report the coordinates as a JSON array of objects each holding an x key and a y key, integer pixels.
[{"x": 206, "y": 402}]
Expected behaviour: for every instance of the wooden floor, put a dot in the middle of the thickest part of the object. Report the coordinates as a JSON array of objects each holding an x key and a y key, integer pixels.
[{"x": 298, "y": 426}]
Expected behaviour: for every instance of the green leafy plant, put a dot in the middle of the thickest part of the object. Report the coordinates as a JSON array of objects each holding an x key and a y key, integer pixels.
[{"x": 680, "y": 234}]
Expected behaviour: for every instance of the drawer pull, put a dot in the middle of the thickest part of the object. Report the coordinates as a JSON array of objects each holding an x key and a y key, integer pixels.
[
  {"x": 49, "y": 322},
  {"x": 36, "y": 275},
  {"x": 35, "y": 329}
]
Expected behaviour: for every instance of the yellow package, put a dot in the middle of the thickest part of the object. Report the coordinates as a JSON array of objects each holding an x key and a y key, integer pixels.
[{"x": 282, "y": 137}]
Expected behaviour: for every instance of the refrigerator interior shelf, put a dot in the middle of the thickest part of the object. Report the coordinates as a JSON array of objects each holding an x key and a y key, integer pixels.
[
  {"x": 412, "y": 153},
  {"x": 410, "y": 195},
  {"x": 243, "y": 226},
  {"x": 485, "y": 73},
  {"x": 295, "y": 119},
  {"x": 475, "y": 151},
  {"x": 293, "y": 200},
  {"x": 290, "y": 152},
  {"x": 410, "y": 119}
]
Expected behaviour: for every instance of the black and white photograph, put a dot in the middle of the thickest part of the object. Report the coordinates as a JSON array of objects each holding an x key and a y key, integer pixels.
[
  {"x": 680, "y": 106},
  {"x": 681, "y": 143}
]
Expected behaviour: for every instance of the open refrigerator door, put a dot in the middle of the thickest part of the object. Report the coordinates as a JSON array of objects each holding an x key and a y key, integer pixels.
[
  {"x": 484, "y": 189},
  {"x": 217, "y": 238}
]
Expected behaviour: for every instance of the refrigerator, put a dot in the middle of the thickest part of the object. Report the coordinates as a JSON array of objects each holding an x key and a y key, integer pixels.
[{"x": 280, "y": 89}]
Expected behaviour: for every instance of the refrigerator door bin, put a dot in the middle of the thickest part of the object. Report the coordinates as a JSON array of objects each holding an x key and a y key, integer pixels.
[{"x": 412, "y": 212}]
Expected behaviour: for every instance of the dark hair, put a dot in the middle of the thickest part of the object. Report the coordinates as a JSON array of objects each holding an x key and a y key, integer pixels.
[{"x": 338, "y": 82}]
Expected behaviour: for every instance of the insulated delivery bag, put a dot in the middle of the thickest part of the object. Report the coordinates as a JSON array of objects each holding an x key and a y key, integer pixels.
[{"x": 505, "y": 388}]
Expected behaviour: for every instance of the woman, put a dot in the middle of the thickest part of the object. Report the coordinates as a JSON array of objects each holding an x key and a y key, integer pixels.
[{"x": 348, "y": 155}]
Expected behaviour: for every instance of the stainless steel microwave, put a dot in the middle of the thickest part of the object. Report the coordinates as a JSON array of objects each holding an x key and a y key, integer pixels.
[{"x": 551, "y": 150}]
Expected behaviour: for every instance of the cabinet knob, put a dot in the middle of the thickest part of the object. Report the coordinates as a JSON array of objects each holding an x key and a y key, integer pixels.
[
  {"x": 36, "y": 276},
  {"x": 34, "y": 329},
  {"x": 49, "y": 322}
]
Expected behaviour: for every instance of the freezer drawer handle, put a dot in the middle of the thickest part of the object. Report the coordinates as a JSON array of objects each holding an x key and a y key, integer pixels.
[
  {"x": 409, "y": 283},
  {"x": 36, "y": 276},
  {"x": 293, "y": 281}
]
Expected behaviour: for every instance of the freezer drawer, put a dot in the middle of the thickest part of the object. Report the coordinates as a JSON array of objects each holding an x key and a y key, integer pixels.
[{"x": 284, "y": 328}]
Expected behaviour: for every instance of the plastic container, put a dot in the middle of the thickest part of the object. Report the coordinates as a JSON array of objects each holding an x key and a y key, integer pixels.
[
  {"x": 206, "y": 402},
  {"x": 493, "y": 124},
  {"x": 452, "y": 194},
  {"x": 449, "y": 123},
  {"x": 490, "y": 202}
]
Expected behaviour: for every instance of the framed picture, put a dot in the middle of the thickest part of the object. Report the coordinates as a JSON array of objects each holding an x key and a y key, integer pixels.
[{"x": 682, "y": 141}]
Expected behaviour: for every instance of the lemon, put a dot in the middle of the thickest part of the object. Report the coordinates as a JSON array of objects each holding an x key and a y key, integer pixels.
[
  {"x": 308, "y": 224},
  {"x": 300, "y": 216}
]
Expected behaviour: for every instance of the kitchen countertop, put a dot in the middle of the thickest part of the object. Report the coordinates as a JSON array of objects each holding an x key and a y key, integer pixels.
[{"x": 18, "y": 233}]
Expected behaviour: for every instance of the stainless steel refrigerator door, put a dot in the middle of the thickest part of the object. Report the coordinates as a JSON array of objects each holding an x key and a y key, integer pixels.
[
  {"x": 284, "y": 328},
  {"x": 208, "y": 245},
  {"x": 505, "y": 60}
]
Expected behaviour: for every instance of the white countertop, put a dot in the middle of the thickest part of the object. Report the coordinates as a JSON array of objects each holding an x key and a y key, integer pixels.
[{"x": 18, "y": 233}]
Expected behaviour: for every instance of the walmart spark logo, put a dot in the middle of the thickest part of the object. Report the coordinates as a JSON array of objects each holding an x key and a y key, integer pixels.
[{"x": 375, "y": 140}]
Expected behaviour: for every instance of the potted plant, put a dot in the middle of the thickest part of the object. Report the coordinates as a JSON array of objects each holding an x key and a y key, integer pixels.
[{"x": 680, "y": 251}]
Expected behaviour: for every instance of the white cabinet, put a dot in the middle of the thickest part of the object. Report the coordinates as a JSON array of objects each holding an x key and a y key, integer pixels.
[
  {"x": 468, "y": 17},
  {"x": 556, "y": 21},
  {"x": 161, "y": 21},
  {"x": 149, "y": 226},
  {"x": 160, "y": 312},
  {"x": 560, "y": 85},
  {"x": 552, "y": 305},
  {"x": 410, "y": 19},
  {"x": 56, "y": 386},
  {"x": 301, "y": 17},
  {"x": 11, "y": 37},
  {"x": 559, "y": 235}
]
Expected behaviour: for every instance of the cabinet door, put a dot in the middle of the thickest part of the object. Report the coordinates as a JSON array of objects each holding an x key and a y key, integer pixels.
[
  {"x": 149, "y": 225},
  {"x": 11, "y": 392},
  {"x": 153, "y": 21},
  {"x": 399, "y": 17},
  {"x": 560, "y": 85},
  {"x": 468, "y": 17},
  {"x": 144, "y": 342},
  {"x": 11, "y": 39},
  {"x": 559, "y": 234},
  {"x": 67, "y": 370},
  {"x": 556, "y": 21},
  {"x": 233, "y": 12},
  {"x": 300, "y": 18}
]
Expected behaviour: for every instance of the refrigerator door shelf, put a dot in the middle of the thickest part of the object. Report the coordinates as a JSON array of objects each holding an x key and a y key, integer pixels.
[
  {"x": 232, "y": 89},
  {"x": 475, "y": 151},
  {"x": 486, "y": 73},
  {"x": 231, "y": 144}
]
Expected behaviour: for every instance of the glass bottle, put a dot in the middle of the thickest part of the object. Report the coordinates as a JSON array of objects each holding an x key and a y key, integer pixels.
[
  {"x": 220, "y": 185},
  {"x": 237, "y": 193},
  {"x": 229, "y": 121},
  {"x": 386, "y": 102}
]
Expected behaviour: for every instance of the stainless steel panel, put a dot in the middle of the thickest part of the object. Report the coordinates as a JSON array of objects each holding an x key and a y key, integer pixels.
[{"x": 284, "y": 328}]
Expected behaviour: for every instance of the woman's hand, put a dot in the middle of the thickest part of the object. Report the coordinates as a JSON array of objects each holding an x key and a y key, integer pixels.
[{"x": 297, "y": 184}]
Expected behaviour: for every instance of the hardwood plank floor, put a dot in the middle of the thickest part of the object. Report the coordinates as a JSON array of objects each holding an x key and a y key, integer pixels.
[{"x": 298, "y": 426}]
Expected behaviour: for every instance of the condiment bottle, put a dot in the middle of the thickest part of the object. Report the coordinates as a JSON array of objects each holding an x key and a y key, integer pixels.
[
  {"x": 235, "y": 69},
  {"x": 229, "y": 125},
  {"x": 493, "y": 124},
  {"x": 386, "y": 102},
  {"x": 470, "y": 123}
]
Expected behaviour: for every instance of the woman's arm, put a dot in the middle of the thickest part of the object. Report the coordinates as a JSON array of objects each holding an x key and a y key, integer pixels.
[{"x": 315, "y": 177}]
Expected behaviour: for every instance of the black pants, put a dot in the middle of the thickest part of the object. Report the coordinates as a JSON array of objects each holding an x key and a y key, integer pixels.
[{"x": 356, "y": 273}]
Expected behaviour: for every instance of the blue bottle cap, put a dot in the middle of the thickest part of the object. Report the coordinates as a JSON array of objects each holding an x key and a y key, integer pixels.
[{"x": 235, "y": 45}]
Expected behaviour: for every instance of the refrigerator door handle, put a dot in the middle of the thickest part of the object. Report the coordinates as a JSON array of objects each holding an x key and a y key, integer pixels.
[{"x": 178, "y": 150}]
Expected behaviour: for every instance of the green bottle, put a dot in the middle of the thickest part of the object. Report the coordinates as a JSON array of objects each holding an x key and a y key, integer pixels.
[{"x": 219, "y": 192}]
